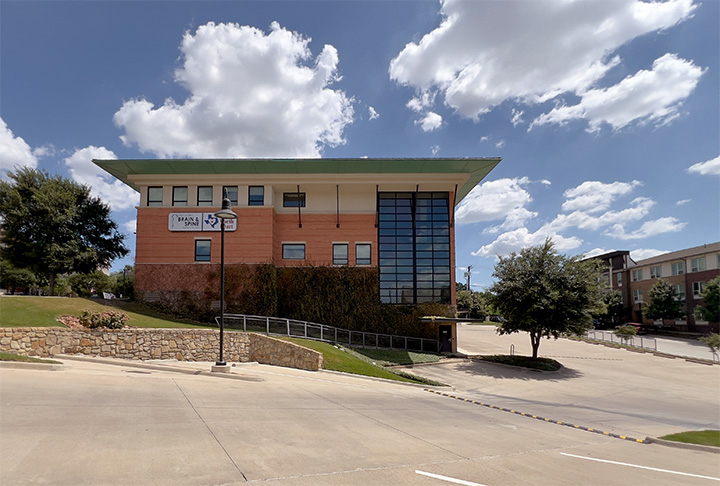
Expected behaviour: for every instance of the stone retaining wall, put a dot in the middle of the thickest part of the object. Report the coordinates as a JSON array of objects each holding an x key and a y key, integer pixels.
[{"x": 139, "y": 343}]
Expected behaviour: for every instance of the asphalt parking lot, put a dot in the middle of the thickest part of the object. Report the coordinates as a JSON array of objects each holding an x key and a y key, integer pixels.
[
  {"x": 99, "y": 424},
  {"x": 614, "y": 390}
]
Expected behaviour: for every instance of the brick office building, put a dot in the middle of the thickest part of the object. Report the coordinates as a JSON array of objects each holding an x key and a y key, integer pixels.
[
  {"x": 687, "y": 270},
  {"x": 393, "y": 215}
]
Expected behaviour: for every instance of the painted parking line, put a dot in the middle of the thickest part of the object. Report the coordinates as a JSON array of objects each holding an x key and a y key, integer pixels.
[
  {"x": 641, "y": 467},
  {"x": 537, "y": 417},
  {"x": 448, "y": 479}
]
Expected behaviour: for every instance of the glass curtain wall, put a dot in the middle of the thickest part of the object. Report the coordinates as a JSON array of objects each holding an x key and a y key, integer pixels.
[{"x": 414, "y": 247}]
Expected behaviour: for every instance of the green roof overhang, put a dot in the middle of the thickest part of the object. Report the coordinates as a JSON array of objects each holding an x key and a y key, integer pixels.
[{"x": 475, "y": 168}]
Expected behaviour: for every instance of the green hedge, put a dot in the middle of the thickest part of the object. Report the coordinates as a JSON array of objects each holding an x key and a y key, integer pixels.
[{"x": 345, "y": 297}]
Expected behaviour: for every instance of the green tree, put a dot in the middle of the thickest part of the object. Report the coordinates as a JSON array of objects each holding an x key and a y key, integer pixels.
[
  {"x": 12, "y": 277},
  {"x": 546, "y": 294},
  {"x": 474, "y": 302},
  {"x": 85, "y": 284},
  {"x": 710, "y": 310},
  {"x": 614, "y": 307},
  {"x": 51, "y": 225},
  {"x": 663, "y": 302},
  {"x": 626, "y": 332},
  {"x": 124, "y": 282}
]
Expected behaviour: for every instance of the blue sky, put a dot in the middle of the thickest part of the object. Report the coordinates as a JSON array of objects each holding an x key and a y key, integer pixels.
[{"x": 606, "y": 113}]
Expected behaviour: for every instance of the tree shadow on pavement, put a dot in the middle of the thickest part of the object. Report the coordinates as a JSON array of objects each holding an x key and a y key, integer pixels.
[{"x": 506, "y": 372}]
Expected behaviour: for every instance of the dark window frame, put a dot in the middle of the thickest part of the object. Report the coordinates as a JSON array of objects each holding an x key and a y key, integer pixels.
[
  {"x": 154, "y": 202},
  {"x": 294, "y": 199},
  {"x": 233, "y": 201},
  {"x": 202, "y": 257},
  {"x": 175, "y": 200},
  {"x": 204, "y": 202},
  {"x": 362, "y": 261},
  {"x": 339, "y": 260},
  {"x": 253, "y": 199},
  {"x": 289, "y": 247}
]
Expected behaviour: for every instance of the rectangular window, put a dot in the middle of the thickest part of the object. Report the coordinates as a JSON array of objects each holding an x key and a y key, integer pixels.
[
  {"x": 232, "y": 194},
  {"x": 697, "y": 264},
  {"x": 202, "y": 250},
  {"x": 414, "y": 247},
  {"x": 679, "y": 291},
  {"x": 655, "y": 272},
  {"x": 363, "y": 255},
  {"x": 293, "y": 251},
  {"x": 637, "y": 295},
  {"x": 678, "y": 268},
  {"x": 340, "y": 254},
  {"x": 619, "y": 279},
  {"x": 698, "y": 288},
  {"x": 155, "y": 196},
  {"x": 637, "y": 275},
  {"x": 180, "y": 196},
  {"x": 293, "y": 199},
  {"x": 205, "y": 196},
  {"x": 256, "y": 196}
]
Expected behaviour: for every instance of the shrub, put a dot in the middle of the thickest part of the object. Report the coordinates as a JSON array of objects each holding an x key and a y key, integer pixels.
[
  {"x": 107, "y": 319},
  {"x": 712, "y": 341},
  {"x": 626, "y": 331}
]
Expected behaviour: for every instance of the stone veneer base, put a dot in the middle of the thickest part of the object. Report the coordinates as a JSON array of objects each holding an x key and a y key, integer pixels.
[{"x": 146, "y": 344}]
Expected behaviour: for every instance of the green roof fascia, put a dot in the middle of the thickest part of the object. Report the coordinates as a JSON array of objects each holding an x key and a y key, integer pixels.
[{"x": 477, "y": 168}]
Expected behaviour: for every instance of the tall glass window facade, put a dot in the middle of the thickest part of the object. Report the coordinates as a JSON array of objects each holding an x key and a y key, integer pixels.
[{"x": 414, "y": 247}]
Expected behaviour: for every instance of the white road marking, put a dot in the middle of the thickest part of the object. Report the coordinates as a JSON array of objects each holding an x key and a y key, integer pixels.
[
  {"x": 642, "y": 467},
  {"x": 448, "y": 479}
]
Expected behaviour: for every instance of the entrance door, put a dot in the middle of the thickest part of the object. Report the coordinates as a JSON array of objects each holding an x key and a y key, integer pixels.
[{"x": 445, "y": 339}]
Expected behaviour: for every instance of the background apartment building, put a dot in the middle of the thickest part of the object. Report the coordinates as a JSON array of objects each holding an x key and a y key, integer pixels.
[{"x": 687, "y": 270}]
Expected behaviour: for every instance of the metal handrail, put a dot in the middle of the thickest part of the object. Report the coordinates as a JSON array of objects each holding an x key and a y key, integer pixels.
[
  {"x": 610, "y": 337},
  {"x": 281, "y": 326}
]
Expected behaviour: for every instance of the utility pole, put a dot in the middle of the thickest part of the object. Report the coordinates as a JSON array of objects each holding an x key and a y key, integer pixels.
[{"x": 467, "y": 276}]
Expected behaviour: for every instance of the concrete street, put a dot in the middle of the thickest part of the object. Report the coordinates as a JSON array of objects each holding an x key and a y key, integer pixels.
[
  {"x": 614, "y": 390},
  {"x": 101, "y": 424}
]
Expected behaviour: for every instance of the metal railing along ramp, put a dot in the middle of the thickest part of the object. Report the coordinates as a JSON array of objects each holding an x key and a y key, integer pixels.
[
  {"x": 634, "y": 341},
  {"x": 280, "y": 326}
]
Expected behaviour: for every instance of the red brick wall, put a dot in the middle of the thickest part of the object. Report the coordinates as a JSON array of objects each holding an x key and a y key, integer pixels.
[
  {"x": 250, "y": 243},
  {"x": 319, "y": 231}
]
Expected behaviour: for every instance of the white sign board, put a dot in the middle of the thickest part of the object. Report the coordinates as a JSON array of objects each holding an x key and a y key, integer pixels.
[{"x": 198, "y": 222}]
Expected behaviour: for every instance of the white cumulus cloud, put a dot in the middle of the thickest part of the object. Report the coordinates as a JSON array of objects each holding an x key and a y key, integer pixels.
[
  {"x": 516, "y": 240},
  {"x": 647, "y": 96},
  {"x": 710, "y": 167},
  {"x": 130, "y": 226},
  {"x": 373, "y": 113},
  {"x": 596, "y": 196},
  {"x": 648, "y": 229},
  {"x": 112, "y": 191},
  {"x": 251, "y": 95},
  {"x": 430, "y": 122},
  {"x": 14, "y": 151},
  {"x": 556, "y": 47},
  {"x": 494, "y": 200}
]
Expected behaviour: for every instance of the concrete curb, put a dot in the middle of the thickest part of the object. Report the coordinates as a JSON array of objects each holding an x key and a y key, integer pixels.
[
  {"x": 23, "y": 365},
  {"x": 683, "y": 445},
  {"x": 385, "y": 380},
  {"x": 157, "y": 367}
]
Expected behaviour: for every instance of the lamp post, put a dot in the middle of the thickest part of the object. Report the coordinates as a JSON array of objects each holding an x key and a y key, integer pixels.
[{"x": 224, "y": 214}]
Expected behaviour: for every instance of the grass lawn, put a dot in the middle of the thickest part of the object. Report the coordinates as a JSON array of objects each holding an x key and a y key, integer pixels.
[
  {"x": 702, "y": 437},
  {"x": 339, "y": 359},
  {"x": 24, "y": 311},
  {"x": 391, "y": 357},
  {"x": 25, "y": 359}
]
